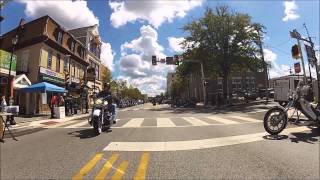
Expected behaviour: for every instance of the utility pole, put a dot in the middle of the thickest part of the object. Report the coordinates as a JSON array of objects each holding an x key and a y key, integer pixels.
[
  {"x": 265, "y": 68},
  {"x": 316, "y": 64}
]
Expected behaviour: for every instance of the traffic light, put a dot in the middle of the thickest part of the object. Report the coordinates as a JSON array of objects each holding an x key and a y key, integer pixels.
[
  {"x": 205, "y": 83},
  {"x": 295, "y": 51},
  {"x": 176, "y": 60},
  {"x": 154, "y": 60}
]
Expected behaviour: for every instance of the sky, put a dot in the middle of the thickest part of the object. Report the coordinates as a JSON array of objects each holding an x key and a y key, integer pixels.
[{"x": 134, "y": 30}]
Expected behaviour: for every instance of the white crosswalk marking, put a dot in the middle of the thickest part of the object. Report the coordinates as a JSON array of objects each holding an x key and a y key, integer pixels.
[
  {"x": 245, "y": 118},
  {"x": 165, "y": 122},
  {"x": 77, "y": 124},
  {"x": 222, "y": 120},
  {"x": 195, "y": 121},
  {"x": 135, "y": 122}
]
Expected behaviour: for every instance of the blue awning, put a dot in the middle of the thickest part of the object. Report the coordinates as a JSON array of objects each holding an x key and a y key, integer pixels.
[{"x": 43, "y": 87}]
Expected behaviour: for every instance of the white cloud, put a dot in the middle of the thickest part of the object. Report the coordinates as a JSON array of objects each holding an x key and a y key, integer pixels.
[
  {"x": 70, "y": 14},
  {"x": 175, "y": 44},
  {"x": 269, "y": 55},
  {"x": 135, "y": 62},
  {"x": 276, "y": 70},
  {"x": 107, "y": 55},
  {"x": 155, "y": 12},
  {"x": 290, "y": 8}
]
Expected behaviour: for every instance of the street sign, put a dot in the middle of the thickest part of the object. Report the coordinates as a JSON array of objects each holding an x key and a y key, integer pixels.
[{"x": 297, "y": 68}]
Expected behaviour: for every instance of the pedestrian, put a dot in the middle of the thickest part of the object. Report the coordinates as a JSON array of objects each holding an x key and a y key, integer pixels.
[
  {"x": 53, "y": 103},
  {"x": 11, "y": 117},
  {"x": 61, "y": 100},
  {"x": 3, "y": 103}
]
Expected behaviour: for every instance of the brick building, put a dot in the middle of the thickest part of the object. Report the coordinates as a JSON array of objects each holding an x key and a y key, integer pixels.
[{"x": 45, "y": 51}]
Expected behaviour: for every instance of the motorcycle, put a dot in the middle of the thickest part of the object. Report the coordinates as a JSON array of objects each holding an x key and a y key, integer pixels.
[
  {"x": 276, "y": 119},
  {"x": 101, "y": 117}
]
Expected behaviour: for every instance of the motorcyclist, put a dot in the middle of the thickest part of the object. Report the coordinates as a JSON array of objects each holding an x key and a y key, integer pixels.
[{"x": 106, "y": 94}]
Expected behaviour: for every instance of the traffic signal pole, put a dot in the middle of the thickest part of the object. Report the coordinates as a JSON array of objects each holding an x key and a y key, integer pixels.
[
  {"x": 316, "y": 64},
  {"x": 203, "y": 86}
]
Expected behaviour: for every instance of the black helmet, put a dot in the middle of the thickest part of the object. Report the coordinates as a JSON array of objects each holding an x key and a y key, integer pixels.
[{"x": 106, "y": 84}]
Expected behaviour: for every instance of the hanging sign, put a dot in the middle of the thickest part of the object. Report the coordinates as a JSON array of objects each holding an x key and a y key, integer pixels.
[{"x": 297, "y": 68}]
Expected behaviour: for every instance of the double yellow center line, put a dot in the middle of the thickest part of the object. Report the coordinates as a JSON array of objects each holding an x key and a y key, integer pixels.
[{"x": 108, "y": 166}]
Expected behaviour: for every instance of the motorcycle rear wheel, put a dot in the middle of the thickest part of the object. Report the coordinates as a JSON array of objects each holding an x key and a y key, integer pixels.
[{"x": 273, "y": 118}]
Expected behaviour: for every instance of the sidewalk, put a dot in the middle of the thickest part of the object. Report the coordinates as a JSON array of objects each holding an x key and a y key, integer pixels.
[
  {"x": 256, "y": 102},
  {"x": 44, "y": 118}
]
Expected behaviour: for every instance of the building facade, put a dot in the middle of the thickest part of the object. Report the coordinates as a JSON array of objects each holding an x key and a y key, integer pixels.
[
  {"x": 89, "y": 36},
  {"x": 237, "y": 82},
  {"x": 46, "y": 52}
]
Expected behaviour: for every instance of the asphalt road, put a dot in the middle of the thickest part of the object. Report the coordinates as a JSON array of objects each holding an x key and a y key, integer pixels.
[{"x": 162, "y": 143}]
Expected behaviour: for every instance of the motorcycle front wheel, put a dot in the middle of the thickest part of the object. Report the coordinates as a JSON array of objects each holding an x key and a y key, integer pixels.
[
  {"x": 97, "y": 125},
  {"x": 275, "y": 121}
]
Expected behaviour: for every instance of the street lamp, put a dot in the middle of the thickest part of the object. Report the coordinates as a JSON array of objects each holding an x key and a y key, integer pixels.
[{"x": 14, "y": 43}]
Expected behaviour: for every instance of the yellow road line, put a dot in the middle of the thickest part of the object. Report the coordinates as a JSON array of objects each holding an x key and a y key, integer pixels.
[
  {"x": 120, "y": 171},
  {"x": 85, "y": 169},
  {"x": 142, "y": 169},
  {"x": 107, "y": 167}
]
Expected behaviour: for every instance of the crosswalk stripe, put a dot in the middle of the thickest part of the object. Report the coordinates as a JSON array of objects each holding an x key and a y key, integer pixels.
[
  {"x": 85, "y": 170},
  {"x": 165, "y": 122},
  {"x": 222, "y": 120},
  {"x": 245, "y": 118},
  {"x": 142, "y": 169},
  {"x": 135, "y": 122},
  {"x": 120, "y": 171},
  {"x": 195, "y": 144},
  {"x": 107, "y": 167},
  {"x": 77, "y": 124},
  {"x": 195, "y": 121}
]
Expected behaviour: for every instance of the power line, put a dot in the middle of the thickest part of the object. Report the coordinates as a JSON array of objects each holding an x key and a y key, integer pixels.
[{"x": 281, "y": 50}]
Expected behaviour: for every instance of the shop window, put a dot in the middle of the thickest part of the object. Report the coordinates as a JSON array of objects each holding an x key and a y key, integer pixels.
[
  {"x": 49, "y": 59},
  {"x": 58, "y": 63},
  {"x": 65, "y": 65}
]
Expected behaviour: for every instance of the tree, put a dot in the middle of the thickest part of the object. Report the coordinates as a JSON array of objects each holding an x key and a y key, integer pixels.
[
  {"x": 223, "y": 40},
  {"x": 105, "y": 74}
]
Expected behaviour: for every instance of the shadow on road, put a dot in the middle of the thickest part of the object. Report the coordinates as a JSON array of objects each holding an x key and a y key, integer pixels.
[
  {"x": 310, "y": 138},
  {"x": 307, "y": 137},
  {"x": 86, "y": 133}
]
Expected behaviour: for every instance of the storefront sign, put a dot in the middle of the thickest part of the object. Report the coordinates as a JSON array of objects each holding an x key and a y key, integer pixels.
[
  {"x": 5, "y": 58},
  {"x": 49, "y": 75}
]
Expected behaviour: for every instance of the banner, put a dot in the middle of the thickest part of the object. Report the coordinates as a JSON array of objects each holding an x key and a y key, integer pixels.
[{"x": 5, "y": 62}]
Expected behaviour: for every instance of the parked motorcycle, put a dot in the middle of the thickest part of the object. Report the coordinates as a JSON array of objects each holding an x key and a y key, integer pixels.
[
  {"x": 276, "y": 119},
  {"x": 101, "y": 117}
]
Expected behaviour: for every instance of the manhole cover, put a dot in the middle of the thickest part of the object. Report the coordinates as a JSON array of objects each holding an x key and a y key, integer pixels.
[{"x": 49, "y": 123}]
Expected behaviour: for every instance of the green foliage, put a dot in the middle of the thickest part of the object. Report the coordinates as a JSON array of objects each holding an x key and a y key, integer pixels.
[
  {"x": 126, "y": 91},
  {"x": 225, "y": 41},
  {"x": 105, "y": 74}
]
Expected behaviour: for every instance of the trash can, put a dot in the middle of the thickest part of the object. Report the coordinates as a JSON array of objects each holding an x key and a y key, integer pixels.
[{"x": 59, "y": 112}]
